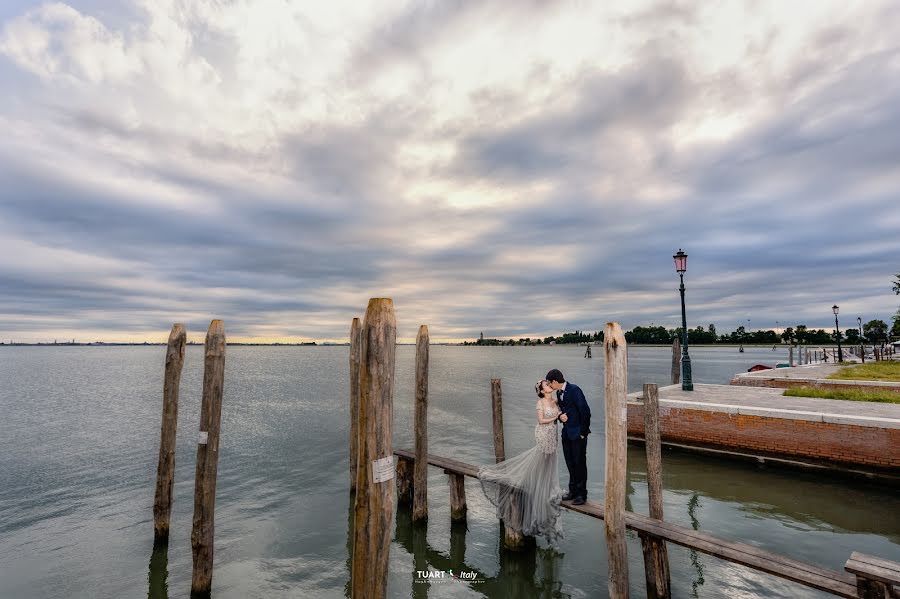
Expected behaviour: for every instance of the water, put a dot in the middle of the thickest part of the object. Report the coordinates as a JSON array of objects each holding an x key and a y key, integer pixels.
[{"x": 79, "y": 439}]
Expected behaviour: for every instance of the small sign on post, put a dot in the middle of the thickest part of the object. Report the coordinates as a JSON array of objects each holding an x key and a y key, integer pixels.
[{"x": 383, "y": 469}]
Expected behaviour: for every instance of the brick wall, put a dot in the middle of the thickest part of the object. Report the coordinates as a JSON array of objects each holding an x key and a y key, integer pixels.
[{"x": 845, "y": 444}]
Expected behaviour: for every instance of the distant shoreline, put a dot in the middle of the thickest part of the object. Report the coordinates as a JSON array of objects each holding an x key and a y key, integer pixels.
[{"x": 347, "y": 344}]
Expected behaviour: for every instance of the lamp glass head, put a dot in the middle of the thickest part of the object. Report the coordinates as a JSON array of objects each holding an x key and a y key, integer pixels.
[{"x": 680, "y": 262}]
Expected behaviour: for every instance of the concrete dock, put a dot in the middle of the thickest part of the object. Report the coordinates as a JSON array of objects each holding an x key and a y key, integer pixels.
[
  {"x": 813, "y": 375},
  {"x": 760, "y": 421}
]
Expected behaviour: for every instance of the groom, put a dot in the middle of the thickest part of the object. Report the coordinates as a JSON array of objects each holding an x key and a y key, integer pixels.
[{"x": 576, "y": 419}]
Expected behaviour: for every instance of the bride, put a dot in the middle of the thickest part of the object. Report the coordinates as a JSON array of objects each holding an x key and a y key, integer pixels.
[{"x": 525, "y": 489}]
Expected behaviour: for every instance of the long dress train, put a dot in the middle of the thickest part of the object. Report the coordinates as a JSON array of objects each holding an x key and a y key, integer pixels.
[{"x": 525, "y": 488}]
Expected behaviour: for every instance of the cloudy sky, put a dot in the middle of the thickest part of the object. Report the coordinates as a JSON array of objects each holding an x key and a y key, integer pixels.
[{"x": 518, "y": 168}]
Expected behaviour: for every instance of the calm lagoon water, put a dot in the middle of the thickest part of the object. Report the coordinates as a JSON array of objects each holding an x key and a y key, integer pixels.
[{"x": 79, "y": 438}]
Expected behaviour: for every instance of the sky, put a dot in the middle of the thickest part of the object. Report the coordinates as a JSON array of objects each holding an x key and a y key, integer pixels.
[{"x": 514, "y": 168}]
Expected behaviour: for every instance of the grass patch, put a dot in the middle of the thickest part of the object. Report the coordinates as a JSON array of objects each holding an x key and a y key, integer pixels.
[
  {"x": 871, "y": 371},
  {"x": 886, "y": 396}
]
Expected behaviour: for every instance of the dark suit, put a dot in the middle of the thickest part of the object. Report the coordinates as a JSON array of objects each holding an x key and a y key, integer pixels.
[{"x": 574, "y": 436}]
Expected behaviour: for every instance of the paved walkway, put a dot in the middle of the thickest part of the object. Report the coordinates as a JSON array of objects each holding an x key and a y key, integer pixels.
[
  {"x": 763, "y": 401},
  {"x": 811, "y": 373}
]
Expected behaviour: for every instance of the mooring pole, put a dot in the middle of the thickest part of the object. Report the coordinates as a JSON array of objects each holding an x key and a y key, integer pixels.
[
  {"x": 355, "y": 328},
  {"x": 165, "y": 470},
  {"x": 512, "y": 538},
  {"x": 616, "y": 389},
  {"x": 374, "y": 509},
  {"x": 676, "y": 361},
  {"x": 420, "y": 467},
  {"x": 497, "y": 422},
  {"x": 656, "y": 557},
  {"x": 202, "y": 534}
]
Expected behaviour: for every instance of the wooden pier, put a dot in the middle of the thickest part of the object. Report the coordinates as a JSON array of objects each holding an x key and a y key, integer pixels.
[
  {"x": 865, "y": 577},
  {"x": 842, "y": 584}
]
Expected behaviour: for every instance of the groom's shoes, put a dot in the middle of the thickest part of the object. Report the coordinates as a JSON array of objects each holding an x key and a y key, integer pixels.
[
  {"x": 567, "y": 497},
  {"x": 578, "y": 501}
]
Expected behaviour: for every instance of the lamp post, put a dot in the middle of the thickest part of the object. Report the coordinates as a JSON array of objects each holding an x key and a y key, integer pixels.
[
  {"x": 862, "y": 343},
  {"x": 686, "y": 383},
  {"x": 837, "y": 333}
]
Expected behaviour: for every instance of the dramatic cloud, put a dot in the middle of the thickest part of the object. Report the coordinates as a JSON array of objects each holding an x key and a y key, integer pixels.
[{"x": 514, "y": 168}]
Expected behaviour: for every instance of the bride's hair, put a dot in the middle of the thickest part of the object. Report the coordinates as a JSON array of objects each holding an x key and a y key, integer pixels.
[{"x": 537, "y": 388}]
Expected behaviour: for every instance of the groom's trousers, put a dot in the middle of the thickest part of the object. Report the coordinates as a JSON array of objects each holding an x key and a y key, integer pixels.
[{"x": 575, "y": 452}]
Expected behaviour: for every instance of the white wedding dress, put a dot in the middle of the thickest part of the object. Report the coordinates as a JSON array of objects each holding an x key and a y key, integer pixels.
[{"x": 525, "y": 489}]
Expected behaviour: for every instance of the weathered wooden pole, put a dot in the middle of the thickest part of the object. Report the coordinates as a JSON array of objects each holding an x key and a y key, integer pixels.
[
  {"x": 404, "y": 481},
  {"x": 355, "y": 328},
  {"x": 497, "y": 411},
  {"x": 512, "y": 538},
  {"x": 676, "y": 361},
  {"x": 165, "y": 470},
  {"x": 616, "y": 389},
  {"x": 208, "y": 459},
  {"x": 791, "y": 356},
  {"x": 420, "y": 467},
  {"x": 374, "y": 509},
  {"x": 656, "y": 557},
  {"x": 457, "y": 497}
]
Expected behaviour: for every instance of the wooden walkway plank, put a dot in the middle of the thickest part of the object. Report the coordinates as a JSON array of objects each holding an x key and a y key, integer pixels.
[{"x": 874, "y": 568}]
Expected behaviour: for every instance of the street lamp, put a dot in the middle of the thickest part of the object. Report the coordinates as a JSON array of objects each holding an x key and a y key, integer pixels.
[
  {"x": 686, "y": 383},
  {"x": 837, "y": 333},
  {"x": 862, "y": 343}
]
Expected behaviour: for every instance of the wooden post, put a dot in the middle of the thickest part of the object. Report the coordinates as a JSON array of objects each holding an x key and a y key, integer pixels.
[
  {"x": 512, "y": 539},
  {"x": 676, "y": 361},
  {"x": 404, "y": 481},
  {"x": 791, "y": 356},
  {"x": 165, "y": 470},
  {"x": 208, "y": 459},
  {"x": 862, "y": 353},
  {"x": 374, "y": 508},
  {"x": 876, "y": 578},
  {"x": 497, "y": 411},
  {"x": 616, "y": 389},
  {"x": 457, "y": 497},
  {"x": 871, "y": 589},
  {"x": 656, "y": 557},
  {"x": 355, "y": 328},
  {"x": 420, "y": 467}
]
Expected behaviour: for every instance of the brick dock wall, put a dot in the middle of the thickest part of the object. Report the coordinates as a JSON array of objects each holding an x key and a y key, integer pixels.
[{"x": 838, "y": 443}]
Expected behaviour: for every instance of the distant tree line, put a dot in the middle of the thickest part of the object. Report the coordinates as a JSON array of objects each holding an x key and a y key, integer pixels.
[{"x": 874, "y": 331}]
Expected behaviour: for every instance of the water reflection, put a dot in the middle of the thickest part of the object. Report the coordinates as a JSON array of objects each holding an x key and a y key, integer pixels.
[
  {"x": 819, "y": 500},
  {"x": 159, "y": 572},
  {"x": 697, "y": 582},
  {"x": 351, "y": 530},
  {"x": 533, "y": 572}
]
